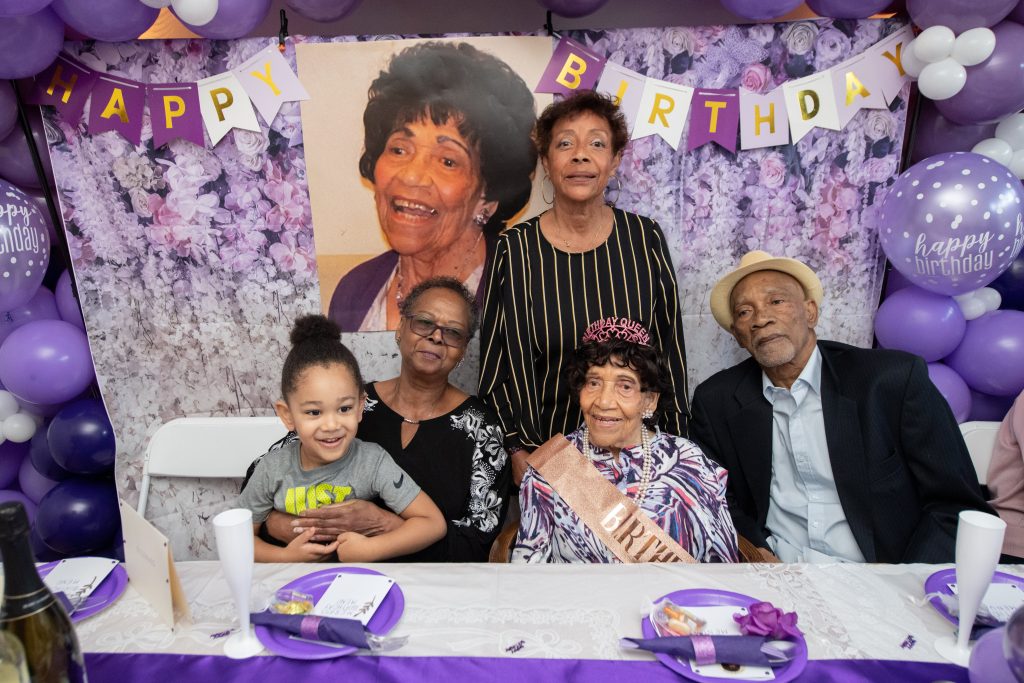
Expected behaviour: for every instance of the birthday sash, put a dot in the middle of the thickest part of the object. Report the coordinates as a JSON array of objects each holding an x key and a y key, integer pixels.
[{"x": 616, "y": 520}]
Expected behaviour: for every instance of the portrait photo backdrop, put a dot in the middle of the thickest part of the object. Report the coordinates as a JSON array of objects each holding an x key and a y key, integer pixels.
[{"x": 192, "y": 262}]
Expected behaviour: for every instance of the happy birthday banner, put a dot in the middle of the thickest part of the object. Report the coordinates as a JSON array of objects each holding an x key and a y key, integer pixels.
[
  {"x": 828, "y": 99},
  {"x": 176, "y": 110}
]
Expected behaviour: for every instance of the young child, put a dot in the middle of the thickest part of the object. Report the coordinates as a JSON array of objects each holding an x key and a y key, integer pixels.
[{"x": 323, "y": 403}]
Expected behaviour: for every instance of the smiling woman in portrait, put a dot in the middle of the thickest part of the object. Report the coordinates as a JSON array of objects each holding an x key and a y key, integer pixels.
[{"x": 447, "y": 150}]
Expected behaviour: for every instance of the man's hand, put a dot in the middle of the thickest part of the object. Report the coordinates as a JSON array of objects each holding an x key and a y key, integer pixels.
[{"x": 302, "y": 549}]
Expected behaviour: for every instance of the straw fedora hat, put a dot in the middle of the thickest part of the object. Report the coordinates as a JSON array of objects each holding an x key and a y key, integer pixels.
[{"x": 752, "y": 262}]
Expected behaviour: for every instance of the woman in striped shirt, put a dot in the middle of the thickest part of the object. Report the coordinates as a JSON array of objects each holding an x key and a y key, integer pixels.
[{"x": 555, "y": 274}]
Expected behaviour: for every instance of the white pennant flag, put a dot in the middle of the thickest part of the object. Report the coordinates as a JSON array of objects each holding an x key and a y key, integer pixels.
[
  {"x": 855, "y": 88},
  {"x": 885, "y": 61},
  {"x": 664, "y": 109},
  {"x": 811, "y": 102},
  {"x": 270, "y": 82},
  {"x": 225, "y": 105}
]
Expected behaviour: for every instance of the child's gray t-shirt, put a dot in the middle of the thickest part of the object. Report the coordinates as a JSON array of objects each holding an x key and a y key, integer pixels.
[{"x": 365, "y": 472}]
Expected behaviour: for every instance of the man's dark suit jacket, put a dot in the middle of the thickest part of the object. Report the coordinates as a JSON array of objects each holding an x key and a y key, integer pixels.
[{"x": 899, "y": 461}]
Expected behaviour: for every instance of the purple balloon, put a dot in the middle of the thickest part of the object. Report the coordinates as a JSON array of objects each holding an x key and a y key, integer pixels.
[
  {"x": 37, "y": 196},
  {"x": 41, "y": 551},
  {"x": 17, "y": 8},
  {"x": 988, "y": 664},
  {"x": 989, "y": 408},
  {"x": 32, "y": 483},
  {"x": 324, "y": 10},
  {"x": 78, "y": 516},
  {"x": 847, "y": 9},
  {"x": 110, "y": 20},
  {"x": 1017, "y": 14},
  {"x": 1010, "y": 285},
  {"x": 958, "y": 15},
  {"x": 234, "y": 19},
  {"x": 760, "y": 9},
  {"x": 30, "y": 43},
  {"x": 572, "y": 8},
  {"x": 920, "y": 322},
  {"x": 9, "y": 496},
  {"x": 991, "y": 356},
  {"x": 25, "y": 247},
  {"x": 41, "y": 409},
  {"x": 953, "y": 222},
  {"x": 46, "y": 361},
  {"x": 81, "y": 438},
  {"x": 953, "y": 388},
  {"x": 895, "y": 281},
  {"x": 935, "y": 134},
  {"x": 12, "y": 455},
  {"x": 995, "y": 88},
  {"x": 42, "y": 306},
  {"x": 67, "y": 304},
  {"x": 42, "y": 459},
  {"x": 8, "y": 109},
  {"x": 16, "y": 163}
]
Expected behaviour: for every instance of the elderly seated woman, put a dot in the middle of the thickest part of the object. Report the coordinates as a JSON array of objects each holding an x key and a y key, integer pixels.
[{"x": 618, "y": 489}]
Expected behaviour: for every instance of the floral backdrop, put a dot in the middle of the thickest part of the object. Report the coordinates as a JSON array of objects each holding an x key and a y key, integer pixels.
[{"x": 192, "y": 262}]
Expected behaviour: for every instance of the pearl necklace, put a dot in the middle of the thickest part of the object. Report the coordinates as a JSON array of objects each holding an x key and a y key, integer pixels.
[{"x": 648, "y": 461}]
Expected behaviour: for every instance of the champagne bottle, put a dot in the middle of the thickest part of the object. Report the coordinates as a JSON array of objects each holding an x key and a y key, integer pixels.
[{"x": 31, "y": 612}]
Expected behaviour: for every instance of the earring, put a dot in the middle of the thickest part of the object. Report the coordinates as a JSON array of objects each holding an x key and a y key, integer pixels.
[
  {"x": 648, "y": 414},
  {"x": 547, "y": 181},
  {"x": 459, "y": 364},
  {"x": 481, "y": 219},
  {"x": 610, "y": 189}
]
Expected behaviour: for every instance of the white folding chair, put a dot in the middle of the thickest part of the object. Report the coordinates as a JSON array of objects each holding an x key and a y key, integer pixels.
[
  {"x": 980, "y": 438},
  {"x": 217, "y": 447}
]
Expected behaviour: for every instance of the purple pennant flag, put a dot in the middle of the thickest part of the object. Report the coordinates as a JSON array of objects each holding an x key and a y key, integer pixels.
[
  {"x": 714, "y": 117},
  {"x": 174, "y": 113},
  {"x": 572, "y": 67},
  {"x": 269, "y": 82},
  {"x": 117, "y": 104},
  {"x": 66, "y": 85}
]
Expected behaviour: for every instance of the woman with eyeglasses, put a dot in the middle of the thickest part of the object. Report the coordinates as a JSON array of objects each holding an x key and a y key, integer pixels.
[{"x": 449, "y": 442}]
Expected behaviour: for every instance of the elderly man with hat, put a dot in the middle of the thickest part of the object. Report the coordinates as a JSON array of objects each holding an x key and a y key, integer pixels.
[{"x": 835, "y": 453}]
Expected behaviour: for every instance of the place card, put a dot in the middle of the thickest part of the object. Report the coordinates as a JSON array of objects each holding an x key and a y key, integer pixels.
[
  {"x": 353, "y": 596},
  {"x": 1000, "y": 600},
  {"x": 720, "y": 622},
  {"x": 78, "y": 577},
  {"x": 150, "y": 566}
]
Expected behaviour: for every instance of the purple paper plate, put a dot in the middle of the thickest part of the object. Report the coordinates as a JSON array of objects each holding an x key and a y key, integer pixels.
[
  {"x": 105, "y": 594},
  {"x": 940, "y": 580},
  {"x": 709, "y": 597},
  {"x": 316, "y": 584}
]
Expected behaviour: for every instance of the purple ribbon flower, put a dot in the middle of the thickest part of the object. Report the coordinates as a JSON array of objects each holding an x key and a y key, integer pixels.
[{"x": 764, "y": 619}]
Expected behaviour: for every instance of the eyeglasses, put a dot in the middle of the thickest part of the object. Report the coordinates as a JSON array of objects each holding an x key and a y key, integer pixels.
[{"x": 424, "y": 327}]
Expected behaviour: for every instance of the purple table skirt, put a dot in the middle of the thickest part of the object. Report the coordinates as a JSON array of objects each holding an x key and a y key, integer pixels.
[{"x": 118, "y": 668}]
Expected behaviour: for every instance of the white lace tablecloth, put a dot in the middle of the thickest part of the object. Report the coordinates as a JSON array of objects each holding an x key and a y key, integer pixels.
[{"x": 847, "y": 611}]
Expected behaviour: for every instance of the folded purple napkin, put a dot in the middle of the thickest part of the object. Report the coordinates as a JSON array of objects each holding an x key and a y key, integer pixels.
[
  {"x": 745, "y": 650},
  {"x": 327, "y": 629}
]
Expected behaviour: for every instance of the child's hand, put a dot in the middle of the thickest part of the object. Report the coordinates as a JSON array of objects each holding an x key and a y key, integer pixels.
[
  {"x": 353, "y": 547},
  {"x": 302, "y": 549}
]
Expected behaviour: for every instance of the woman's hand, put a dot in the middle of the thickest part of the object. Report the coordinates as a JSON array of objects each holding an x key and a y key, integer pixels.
[
  {"x": 302, "y": 548},
  {"x": 329, "y": 521},
  {"x": 519, "y": 464},
  {"x": 353, "y": 547}
]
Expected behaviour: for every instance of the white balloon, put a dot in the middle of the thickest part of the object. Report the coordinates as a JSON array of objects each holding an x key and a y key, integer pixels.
[
  {"x": 19, "y": 427},
  {"x": 974, "y": 46},
  {"x": 8, "y": 405},
  {"x": 995, "y": 149},
  {"x": 942, "y": 80},
  {"x": 195, "y": 12},
  {"x": 1011, "y": 129},
  {"x": 989, "y": 297},
  {"x": 972, "y": 308},
  {"x": 1016, "y": 164},
  {"x": 912, "y": 65},
  {"x": 155, "y": 4},
  {"x": 934, "y": 44}
]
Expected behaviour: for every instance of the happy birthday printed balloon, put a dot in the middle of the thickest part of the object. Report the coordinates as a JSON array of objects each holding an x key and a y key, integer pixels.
[{"x": 953, "y": 222}]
